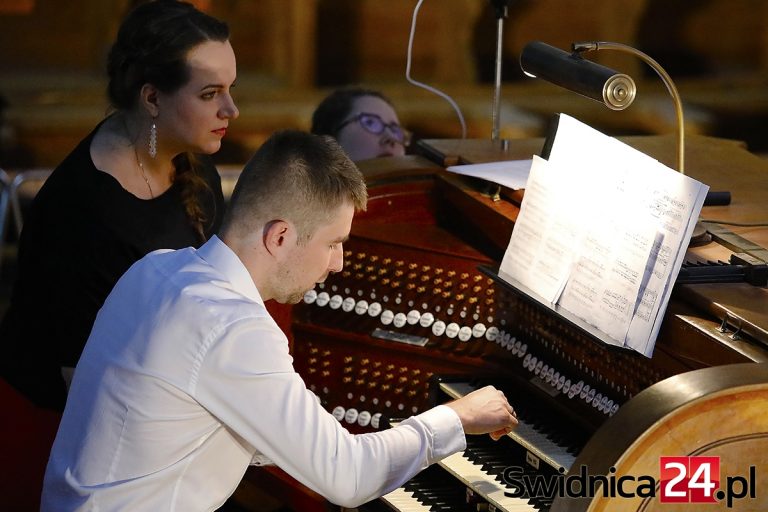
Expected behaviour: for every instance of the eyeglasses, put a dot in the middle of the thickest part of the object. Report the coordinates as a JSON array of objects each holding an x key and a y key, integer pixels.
[{"x": 373, "y": 123}]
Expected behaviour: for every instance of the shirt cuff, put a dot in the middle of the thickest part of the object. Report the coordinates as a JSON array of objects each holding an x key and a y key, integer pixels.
[{"x": 447, "y": 433}]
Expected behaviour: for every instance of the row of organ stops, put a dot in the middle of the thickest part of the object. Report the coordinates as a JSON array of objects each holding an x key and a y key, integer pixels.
[
  {"x": 357, "y": 390},
  {"x": 552, "y": 350},
  {"x": 414, "y": 298},
  {"x": 538, "y": 366}
]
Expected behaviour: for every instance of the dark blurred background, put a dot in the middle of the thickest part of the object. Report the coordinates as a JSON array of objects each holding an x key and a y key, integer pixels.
[{"x": 292, "y": 52}]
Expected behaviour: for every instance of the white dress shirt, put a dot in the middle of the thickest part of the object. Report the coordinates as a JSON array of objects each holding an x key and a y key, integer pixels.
[{"x": 186, "y": 379}]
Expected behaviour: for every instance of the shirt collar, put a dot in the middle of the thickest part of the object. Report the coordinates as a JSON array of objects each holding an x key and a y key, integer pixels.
[{"x": 219, "y": 256}]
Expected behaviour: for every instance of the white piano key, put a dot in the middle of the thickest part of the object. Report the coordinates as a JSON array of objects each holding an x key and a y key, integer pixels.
[
  {"x": 403, "y": 501},
  {"x": 484, "y": 484}
]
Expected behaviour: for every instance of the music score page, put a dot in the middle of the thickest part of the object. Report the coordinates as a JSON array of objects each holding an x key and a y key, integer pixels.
[{"x": 602, "y": 233}]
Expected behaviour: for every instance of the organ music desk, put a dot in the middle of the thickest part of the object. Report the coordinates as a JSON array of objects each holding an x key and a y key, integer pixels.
[{"x": 416, "y": 318}]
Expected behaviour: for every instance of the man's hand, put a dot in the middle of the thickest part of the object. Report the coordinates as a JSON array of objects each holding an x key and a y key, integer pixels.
[{"x": 485, "y": 411}]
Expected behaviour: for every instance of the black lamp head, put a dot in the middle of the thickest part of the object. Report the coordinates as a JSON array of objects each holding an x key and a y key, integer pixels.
[{"x": 572, "y": 71}]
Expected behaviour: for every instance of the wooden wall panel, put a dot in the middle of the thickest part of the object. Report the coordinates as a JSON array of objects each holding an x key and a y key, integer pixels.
[
  {"x": 59, "y": 36},
  {"x": 291, "y": 52}
]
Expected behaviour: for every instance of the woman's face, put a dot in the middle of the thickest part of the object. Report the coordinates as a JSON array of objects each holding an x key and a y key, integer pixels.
[
  {"x": 195, "y": 117},
  {"x": 357, "y": 137}
]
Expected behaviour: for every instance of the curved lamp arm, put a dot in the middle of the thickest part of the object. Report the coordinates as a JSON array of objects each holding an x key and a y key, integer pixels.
[{"x": 586, "y": 46}]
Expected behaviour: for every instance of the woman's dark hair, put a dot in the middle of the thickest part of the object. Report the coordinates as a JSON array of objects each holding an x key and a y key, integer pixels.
[
  {"x": 151, "y": 47},
  {"x": 336, "y": 108}
]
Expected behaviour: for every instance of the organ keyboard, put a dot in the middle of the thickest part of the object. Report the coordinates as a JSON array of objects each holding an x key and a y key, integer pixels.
[
  {"x": 499, "y": 476},
  {"x": 428, "y": 491},
  {"x": 529, "y": 434},
  {"x": 480, "y": 469},
  {"x": 417, "y": 318}
]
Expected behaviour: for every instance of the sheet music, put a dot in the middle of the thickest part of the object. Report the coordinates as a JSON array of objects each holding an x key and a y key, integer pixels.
[
  {"x": 510, "y": 173},
  {"x": 605, "y": 280},
  {"x": 538, "y": 253},
  {"x": 675, "y": 201},
  {"x": 602, "y": 232}
]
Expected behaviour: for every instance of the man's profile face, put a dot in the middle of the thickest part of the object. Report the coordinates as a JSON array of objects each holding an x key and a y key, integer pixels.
[{"x": 311, "y": 262}]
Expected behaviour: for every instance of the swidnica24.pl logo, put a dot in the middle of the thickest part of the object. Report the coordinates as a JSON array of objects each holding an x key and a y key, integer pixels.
[{"x": 681, "y": 480}]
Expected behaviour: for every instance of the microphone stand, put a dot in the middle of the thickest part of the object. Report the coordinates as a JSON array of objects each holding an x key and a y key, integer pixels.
[{"x": 500, "y": 11}]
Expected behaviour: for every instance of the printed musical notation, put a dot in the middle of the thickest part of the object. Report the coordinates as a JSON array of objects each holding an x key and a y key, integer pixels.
[{"x": 602, "y": 233}]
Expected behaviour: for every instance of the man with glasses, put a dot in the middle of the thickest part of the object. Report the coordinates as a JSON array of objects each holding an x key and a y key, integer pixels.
[{"x": 363, "y": 121}]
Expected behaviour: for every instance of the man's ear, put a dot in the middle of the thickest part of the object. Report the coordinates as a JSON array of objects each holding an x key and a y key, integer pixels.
[
  {"x": 149, "y": 99},
  {"x": 278, "y": 235}
]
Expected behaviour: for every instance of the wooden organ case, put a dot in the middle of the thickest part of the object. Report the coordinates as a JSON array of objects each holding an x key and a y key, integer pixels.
[{"x": 416, "y": 318}]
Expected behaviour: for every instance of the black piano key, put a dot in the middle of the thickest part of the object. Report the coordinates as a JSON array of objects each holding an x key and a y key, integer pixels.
[
  {"x": 436, "y": 490},
  {"x": 497, "y": 456}
]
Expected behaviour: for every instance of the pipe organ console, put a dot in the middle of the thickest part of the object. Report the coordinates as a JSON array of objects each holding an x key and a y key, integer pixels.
[{"x": 418, "y": 316}]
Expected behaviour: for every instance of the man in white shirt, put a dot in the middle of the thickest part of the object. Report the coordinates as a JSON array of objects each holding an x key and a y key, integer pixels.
[{"x": 186, "y": 379}]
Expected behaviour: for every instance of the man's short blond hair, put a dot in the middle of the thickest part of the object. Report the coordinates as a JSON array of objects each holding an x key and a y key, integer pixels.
[{"x": 297, "y": 177}]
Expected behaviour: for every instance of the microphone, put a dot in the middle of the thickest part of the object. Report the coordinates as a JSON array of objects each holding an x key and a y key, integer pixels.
[
  {"x": 500, "y": 8},
  {"x": 571, "y": 71}
]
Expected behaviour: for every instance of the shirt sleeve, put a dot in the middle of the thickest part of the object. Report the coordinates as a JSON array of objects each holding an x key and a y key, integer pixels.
[{"x": 247, "y": 380}]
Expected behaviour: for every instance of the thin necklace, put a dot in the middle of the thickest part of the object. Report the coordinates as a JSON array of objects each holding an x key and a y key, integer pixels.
[{"x": 143, "y": 174}]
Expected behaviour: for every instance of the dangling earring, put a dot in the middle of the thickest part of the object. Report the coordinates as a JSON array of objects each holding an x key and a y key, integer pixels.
[{"x": 153, "y": 140}]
